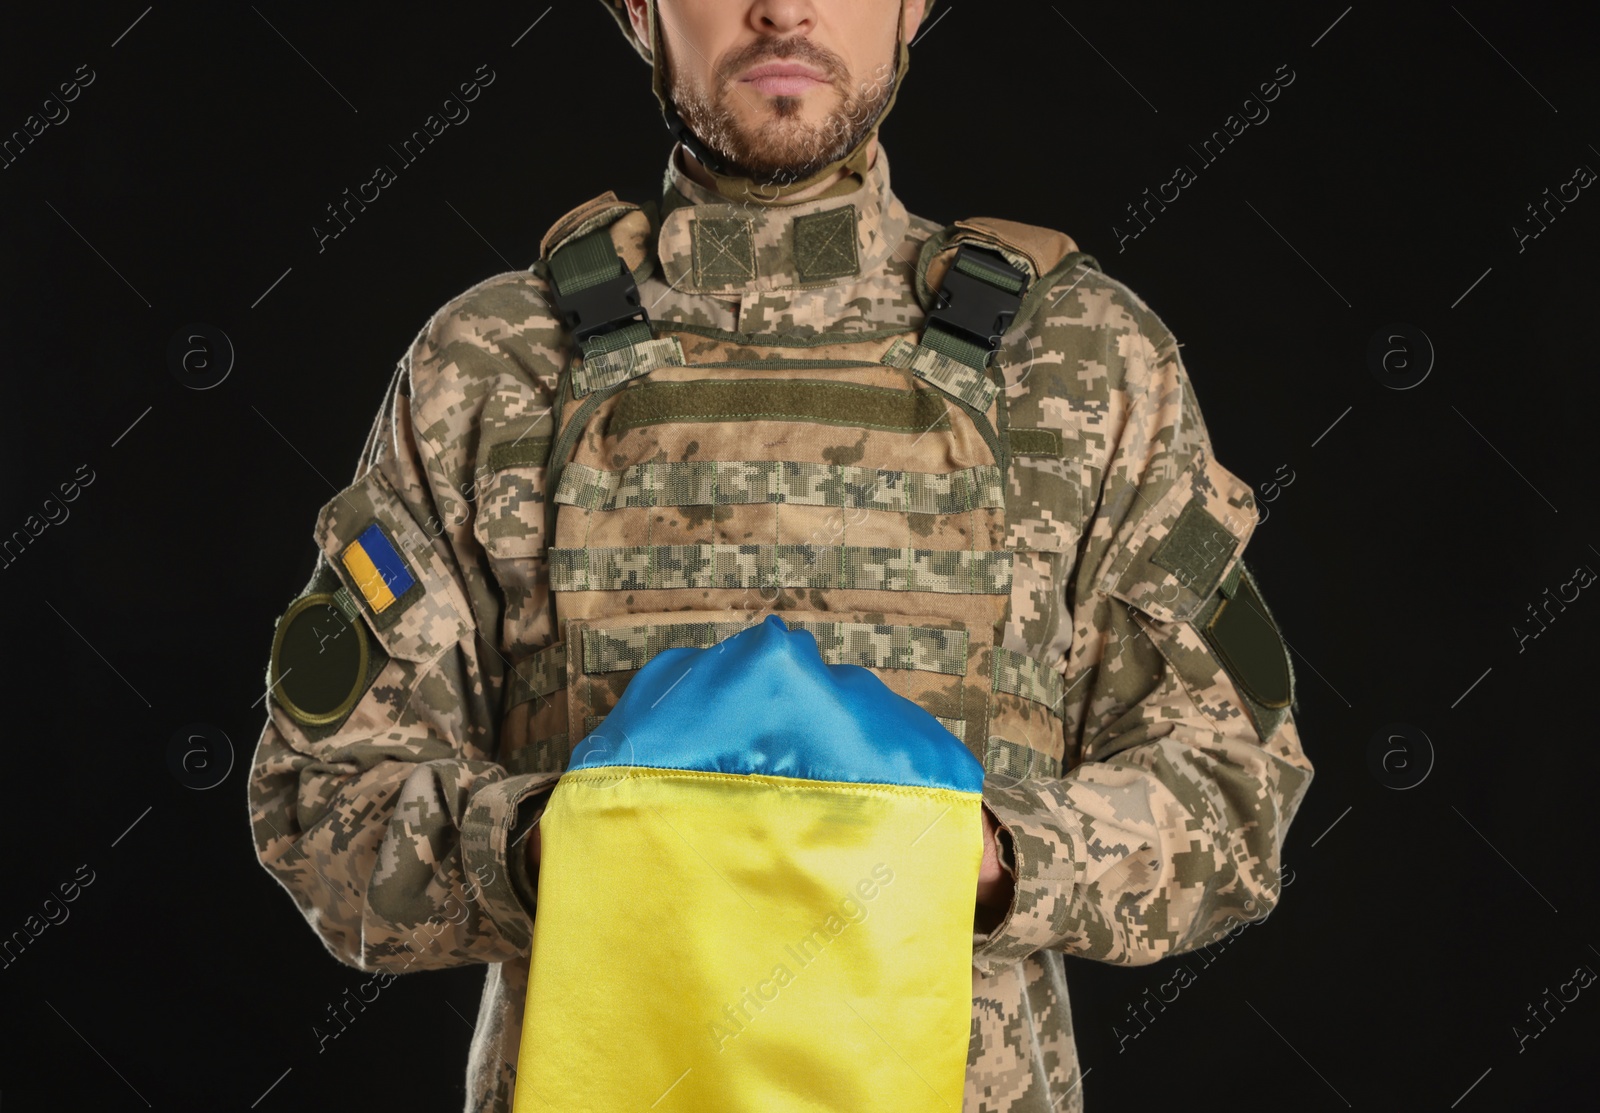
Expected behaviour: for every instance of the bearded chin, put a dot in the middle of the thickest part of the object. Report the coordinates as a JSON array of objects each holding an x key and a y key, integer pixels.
[{"x": 787, "y": 149}]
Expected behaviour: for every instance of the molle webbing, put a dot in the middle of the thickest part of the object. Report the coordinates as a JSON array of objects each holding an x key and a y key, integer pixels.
[
  {"x": 747, "y": 482},
  {"x": 870, "y": 645},
  {"x": 836, "y": 567},
  {"x": 1020, "y": 675},
  {"x": 942, "y": 360},
  {"x": 600, "y": 369}
]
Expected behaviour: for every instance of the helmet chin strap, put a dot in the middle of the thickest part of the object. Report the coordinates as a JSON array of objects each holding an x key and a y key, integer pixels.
[{"x": 737, "y": 187}]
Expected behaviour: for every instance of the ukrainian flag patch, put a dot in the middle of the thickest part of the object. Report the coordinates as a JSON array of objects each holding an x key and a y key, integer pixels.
[{"x": 378, "y": 570}]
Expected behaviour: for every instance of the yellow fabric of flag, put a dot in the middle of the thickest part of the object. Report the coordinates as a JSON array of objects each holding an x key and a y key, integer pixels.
[{"x": 756, "y": 896}]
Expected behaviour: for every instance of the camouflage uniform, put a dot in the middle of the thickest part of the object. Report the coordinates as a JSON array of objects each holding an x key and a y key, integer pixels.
[{"x": 1036, "y": 555}]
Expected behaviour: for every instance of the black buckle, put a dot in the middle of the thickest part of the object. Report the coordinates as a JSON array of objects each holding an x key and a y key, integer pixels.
[
  {"x": 973, "y": 308},
  {"x": 603, "y": 307}
]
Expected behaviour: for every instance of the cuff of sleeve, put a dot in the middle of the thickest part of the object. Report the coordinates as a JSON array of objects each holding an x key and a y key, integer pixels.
[
  {"x": 488, "y": 833},
  {"x": 524, "y": 881},
  {"x": 1045, "y": 862}
]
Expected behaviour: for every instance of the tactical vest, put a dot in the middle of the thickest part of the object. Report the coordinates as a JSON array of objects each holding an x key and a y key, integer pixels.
[{"x": 692, "y": 486}]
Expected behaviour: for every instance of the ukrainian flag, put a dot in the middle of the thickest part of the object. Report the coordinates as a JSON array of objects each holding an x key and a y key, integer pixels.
[
  {"x": 377, "y": 568},
  {"x": 756, "y": 893}
]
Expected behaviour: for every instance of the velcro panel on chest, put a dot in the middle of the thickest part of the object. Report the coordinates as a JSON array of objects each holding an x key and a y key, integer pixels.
[
  {"x": 812, "y": 400},
  {"x": 757, "y": 868}
]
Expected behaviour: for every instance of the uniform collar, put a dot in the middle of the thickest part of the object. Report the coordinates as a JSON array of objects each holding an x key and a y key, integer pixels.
[{"x": 709, "y": 245}]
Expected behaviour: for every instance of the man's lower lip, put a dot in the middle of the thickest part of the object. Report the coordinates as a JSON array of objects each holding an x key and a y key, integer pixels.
[{"x": 782, "y": 85}]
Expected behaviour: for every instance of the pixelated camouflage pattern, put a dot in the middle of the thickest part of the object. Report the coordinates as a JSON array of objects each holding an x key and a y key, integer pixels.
[
  {"x": 955, "y": 378},
  {"x": 538, "y": 675},
  {"x": 1018, "y": 761},
  {"x": 1021, "y": 1055},
  {"x": 1021, "y": 675},
  {"x": 512, "y": 534},
  {"x": 824, "y": 567},
  {"x": 1144, "y": 810},
  {"x": 870, "y": 645},
  {"x": 730, "y": 482},
  {"x": 767, "y": 308},
  {"x": 610, "y": 368}
]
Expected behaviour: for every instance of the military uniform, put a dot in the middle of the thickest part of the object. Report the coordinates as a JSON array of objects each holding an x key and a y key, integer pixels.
[{"x": 1021, "y": 529}]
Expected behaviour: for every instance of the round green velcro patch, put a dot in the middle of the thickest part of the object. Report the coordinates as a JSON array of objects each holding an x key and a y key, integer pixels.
[{"x": 319, "y": 661}]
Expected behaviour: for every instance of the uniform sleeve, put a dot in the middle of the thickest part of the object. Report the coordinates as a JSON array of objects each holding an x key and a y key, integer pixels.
[
  {"x": 391, "y": 821},
  {"x": 1183, "y": 760}
]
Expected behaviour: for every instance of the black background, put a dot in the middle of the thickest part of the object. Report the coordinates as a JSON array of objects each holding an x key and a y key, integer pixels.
[{"x": 1420, "y": 525}]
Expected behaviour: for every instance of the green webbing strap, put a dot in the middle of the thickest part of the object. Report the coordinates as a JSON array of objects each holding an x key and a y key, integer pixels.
[
  {"x": 996, "y": 274},
  {"x": 586, "y": 262},
  {"x": 821, "y": 401},
  {"x": 1035, "y": 442},
  {"x": 347, "y": 604},
  {"x": 1009, "y": 282},
  {"x": 526, "y": 452},
  {"x": 1021, "y": 675},
  {"x": 636, "y": 332},
  {"x": 958, "y": 348}
]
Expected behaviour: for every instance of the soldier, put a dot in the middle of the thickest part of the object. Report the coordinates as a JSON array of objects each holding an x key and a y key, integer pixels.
[{"x": 961, "y": 455}]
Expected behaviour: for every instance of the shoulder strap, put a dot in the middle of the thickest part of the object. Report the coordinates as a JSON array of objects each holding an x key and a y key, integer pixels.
[
  {"x": 1040, "y": 248},
  {"x": 596, "y": 256},
  {"x": 976, "y": 280},
  {"x": 975, "y": 304},
  {"x": 595, "y": 291},
  {"x": 1000, "y": 269}
]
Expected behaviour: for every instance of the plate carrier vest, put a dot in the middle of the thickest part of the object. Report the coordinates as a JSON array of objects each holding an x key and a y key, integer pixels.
[{"x": 693, "y": 485}]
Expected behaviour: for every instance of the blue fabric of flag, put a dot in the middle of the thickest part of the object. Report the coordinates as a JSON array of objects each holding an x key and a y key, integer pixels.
[{"x": 765, "y": 702}]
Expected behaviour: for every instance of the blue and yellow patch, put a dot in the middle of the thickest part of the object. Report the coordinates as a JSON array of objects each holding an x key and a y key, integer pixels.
[{"x": 377, "y": 569}]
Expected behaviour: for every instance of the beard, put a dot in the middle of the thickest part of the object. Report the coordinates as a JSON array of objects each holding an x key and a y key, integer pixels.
[{"x": 786, "y": 148}]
